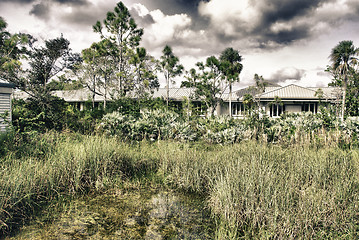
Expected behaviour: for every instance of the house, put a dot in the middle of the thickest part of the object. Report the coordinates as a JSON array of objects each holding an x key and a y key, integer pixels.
[
  {"x": 6, "y": 90},
  {"x": 274, "y": 101},
  {"x": 291, "y": 99}
]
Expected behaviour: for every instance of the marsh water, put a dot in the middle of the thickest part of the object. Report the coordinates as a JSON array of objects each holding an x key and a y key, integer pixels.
[{"x": 135, "y": 214}]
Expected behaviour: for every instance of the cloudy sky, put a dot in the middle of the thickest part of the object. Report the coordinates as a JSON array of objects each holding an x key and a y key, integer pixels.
[{"x": 285, "y": 41}]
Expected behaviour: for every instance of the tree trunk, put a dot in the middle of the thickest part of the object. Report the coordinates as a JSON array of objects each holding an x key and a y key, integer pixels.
[
  {"x": 93, "y": 94},
  {"x": 230, "y": 99},
  {"x": 344, "y": 96},
  {"x": 167, "y": 90}
]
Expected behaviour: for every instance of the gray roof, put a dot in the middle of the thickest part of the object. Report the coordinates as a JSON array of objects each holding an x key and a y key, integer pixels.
[
  {"x": 80, "y": 95},
  {"x": 296, "y": 92},
  {"x": 7, "y": 85},
  {"x": 291, "y": 92},
  {"x": 176, "y": 94}
]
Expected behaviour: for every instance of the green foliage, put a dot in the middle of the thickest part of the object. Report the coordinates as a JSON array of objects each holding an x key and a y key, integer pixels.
[
  {"x": 121, "y": 30},
  {"x": 260, "y": 191},
  {"x": 50, "y": 166},
  {"x": 254, "y": 189},
  {"x": 152, "y": 125},
  {"x": 208, "y": 83},
  {"x": 28, "y": 117},
  {"x": 12, "y": 49},
  {"x": 170, "y": 67},
  {"x": 64, "y": 83},
  {"x": 231, "y": 66},
  {"x": 343, "y": 57},
  {"x": 306, "y": 128}
]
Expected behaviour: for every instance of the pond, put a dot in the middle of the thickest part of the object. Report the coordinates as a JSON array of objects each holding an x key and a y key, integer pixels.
[{"x": 135, "y": 214}]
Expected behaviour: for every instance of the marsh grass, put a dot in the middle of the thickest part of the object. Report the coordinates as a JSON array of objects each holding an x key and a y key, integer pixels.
[
  {"x": 72, "y": 164},
  {"x": 253, "y": 189},
  {"x": 267, "y": 191}
]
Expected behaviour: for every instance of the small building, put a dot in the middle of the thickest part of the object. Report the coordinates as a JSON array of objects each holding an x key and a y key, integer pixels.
[{"x": 6, "y": 90}]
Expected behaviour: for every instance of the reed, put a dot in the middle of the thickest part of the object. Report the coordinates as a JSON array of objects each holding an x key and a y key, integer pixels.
[
  {"x": 73, "y": 164},
  {"x": 267, "y": 191},
  {"x": 253, "y": 189}
]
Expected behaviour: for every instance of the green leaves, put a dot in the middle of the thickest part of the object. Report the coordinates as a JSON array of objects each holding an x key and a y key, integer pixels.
[
  {"x": 343, "y": 57},
  {"x": 122, "y": 36},
  {"x": 230, "y": 64},
  {"x": 170, "y": 67}
]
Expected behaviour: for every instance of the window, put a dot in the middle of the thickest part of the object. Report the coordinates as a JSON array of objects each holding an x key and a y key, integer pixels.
[
  {"x": 276, "y": 110},
  {"x": 310, "y": 107},
  {"x": 237, "y": 109},
  {"x": 200, "y": 108}
]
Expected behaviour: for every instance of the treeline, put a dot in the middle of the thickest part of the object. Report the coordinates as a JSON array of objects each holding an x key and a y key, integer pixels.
[
  {"x": 116, "y": 67},
  {"x": 119, "y": 69}
]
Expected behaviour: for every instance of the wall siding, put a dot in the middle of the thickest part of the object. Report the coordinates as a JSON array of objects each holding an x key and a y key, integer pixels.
[{"x": 5, "y": 106}]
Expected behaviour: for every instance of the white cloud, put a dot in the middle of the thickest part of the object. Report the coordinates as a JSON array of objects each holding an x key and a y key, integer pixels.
[
  {"x": 140, "y": 9},
  {"x": 230, "y": 14},
  {"x": 165, "y": 28}
]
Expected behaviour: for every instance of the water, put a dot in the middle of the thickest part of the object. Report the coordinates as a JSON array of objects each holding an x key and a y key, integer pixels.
[{"x": 135, "y": 214}]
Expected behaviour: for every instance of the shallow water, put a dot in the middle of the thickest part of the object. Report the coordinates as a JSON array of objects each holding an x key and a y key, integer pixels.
[{"x": 126, "y": 215}]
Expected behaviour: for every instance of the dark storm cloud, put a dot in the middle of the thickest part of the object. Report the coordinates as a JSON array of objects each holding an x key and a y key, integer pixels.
[
  {"x": 287, "y": 36},
  {"x": 88, "y": 15},
  {"x": 18, "y": 1},
  {"x": 171, "y": 7},
  {"x": 287, "y": 12},
  {"x": 74, "y": 2},
  {"x": 40, "y": 10},
  {"x": 285, "y": 74}
]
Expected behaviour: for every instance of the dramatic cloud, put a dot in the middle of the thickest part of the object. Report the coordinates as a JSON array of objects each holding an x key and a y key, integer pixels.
[
  {"x": 161, "y": 29},
  {"x": 270, "y": 35},
  {"x": 75, "y": 2},
  {"x": 41, "y": 10},
  {"x": 287, "y": 74},
  {"x": 271, "y": 24}
]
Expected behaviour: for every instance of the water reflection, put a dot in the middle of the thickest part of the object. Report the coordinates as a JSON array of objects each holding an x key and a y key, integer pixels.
[{"x": 127, "y": 215}]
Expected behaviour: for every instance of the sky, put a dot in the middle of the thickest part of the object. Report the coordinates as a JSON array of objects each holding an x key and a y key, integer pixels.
[{"x": 285, "y": 41}]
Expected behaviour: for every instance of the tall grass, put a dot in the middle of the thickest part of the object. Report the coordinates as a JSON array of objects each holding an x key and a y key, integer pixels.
[
  {"x": 254, "y": 190},
  {"x": 266, "y": 191},
  {"x": 72, "y": 164}
]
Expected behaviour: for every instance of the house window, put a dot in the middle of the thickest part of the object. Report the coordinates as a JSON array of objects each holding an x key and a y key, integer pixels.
[
  {"x": 276, "y": 110},
  {"x": 200, "y": 108},
  {"x": 310, "y": 107},
  {"x": 237, "y": 109}
]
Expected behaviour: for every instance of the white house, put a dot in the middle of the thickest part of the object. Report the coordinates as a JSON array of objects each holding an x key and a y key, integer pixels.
[
  {"x": 291, "y": 99},
  {"x": 274, "y": 100},
  {"x": 6, "y": 90}
]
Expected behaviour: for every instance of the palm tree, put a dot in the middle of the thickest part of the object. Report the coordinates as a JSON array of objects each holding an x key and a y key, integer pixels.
[
  {"x": 170, "y": 67},
  {"x": 231, "y": 68},
  {"x": 343, "y": 57}
]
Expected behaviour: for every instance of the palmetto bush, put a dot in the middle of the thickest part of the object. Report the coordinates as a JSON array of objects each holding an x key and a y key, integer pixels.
[
  {"x": 152, "y": 124},
  {"x": 302, "y": 128}
]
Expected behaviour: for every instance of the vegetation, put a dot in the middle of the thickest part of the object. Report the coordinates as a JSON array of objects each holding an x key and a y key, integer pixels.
[
  {"x": 231, "y": 67},
  {"x": 343, "y": 57},
  {"x": 253, "y": 189},
  {"x": 120, "y": 30},
  {"x": 170, "y": 67},
  {"x": 295, "y": 176}
]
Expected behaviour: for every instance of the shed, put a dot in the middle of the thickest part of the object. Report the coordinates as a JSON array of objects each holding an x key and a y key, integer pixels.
[{"x": 6, "y": 90}]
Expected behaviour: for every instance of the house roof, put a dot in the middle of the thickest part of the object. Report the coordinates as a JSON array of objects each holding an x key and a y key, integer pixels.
[
  {"x": 174, "y": 93},
  {"x": 295, "y": 92},
  {"x": 7, "y": 85},
  {"x": 80, "y": 95},
  {"x": 291, "y": 92}
]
